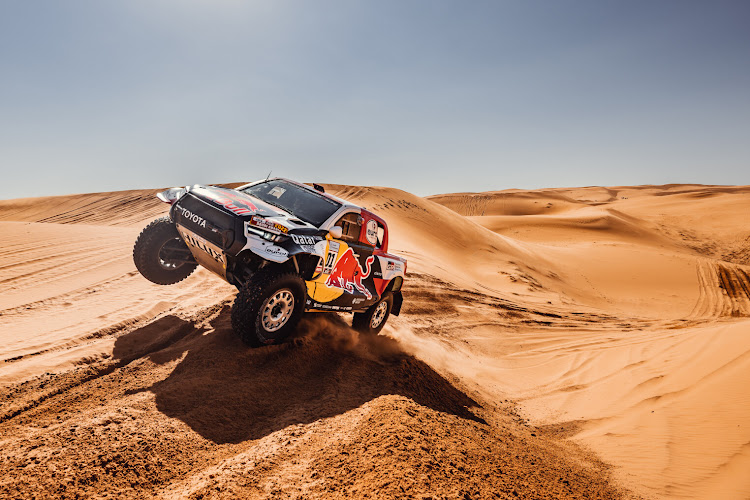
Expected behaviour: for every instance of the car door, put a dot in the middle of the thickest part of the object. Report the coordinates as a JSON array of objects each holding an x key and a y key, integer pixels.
[{"x": 345, "y": 279}]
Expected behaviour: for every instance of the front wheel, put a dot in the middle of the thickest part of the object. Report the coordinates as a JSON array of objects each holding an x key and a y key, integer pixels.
[
  {"x": 161, "y": 255},
  {"x": 268, "y": 308},
  {"x": 373, "y": 319}
]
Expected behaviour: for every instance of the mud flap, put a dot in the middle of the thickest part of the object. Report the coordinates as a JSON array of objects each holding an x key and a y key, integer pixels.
[{"x": 398, "y": 299}]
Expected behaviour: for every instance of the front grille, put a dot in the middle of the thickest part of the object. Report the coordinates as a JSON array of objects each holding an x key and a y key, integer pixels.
[{"x": 205, "y": 220}]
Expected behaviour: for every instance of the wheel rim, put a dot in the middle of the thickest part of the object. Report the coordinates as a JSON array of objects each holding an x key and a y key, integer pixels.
[
  {"x": 379, "y": 314},
  {"x": 277, "y": 309},
  {"x": 166, "y": 249}
]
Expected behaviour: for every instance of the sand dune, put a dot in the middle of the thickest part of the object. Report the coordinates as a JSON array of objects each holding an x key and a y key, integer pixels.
[
  {"x": 657, "y": 388},
  {"x": 108, "y": 209},
  {"x": 535, "y": 322}
]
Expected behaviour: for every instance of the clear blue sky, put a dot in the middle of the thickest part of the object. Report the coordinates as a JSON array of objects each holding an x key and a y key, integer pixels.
[{"x": 430, "y": 96}]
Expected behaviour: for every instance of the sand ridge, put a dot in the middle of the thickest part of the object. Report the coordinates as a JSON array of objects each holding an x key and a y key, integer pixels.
[{"x": 536, "y": 322}]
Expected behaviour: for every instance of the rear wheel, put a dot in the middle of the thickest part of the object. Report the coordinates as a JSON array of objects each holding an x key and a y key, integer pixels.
[
  {"x": 373, "y": 319},
  {"x": 160, "y": 255},
  {"x": 268, "y": 308}
]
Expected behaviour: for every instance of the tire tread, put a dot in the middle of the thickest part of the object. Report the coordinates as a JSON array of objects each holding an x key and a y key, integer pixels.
[
  {"x": 361, "y": 321},
  {"x": 245, "y": 319},
  {"x": 144, "y": 249}
]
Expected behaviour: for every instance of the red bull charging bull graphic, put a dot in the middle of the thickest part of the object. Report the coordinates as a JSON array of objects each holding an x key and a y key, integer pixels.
[{"x": 347, "y": 274}]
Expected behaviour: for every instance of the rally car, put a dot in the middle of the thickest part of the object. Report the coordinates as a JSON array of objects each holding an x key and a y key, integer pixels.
[{"x": 288, "y": 248}]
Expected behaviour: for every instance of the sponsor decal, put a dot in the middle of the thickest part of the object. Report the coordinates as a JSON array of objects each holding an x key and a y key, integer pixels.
[
  {"x": 305, "y": 240},
  {"x": 273, "y": 250},
  {"x": 393, "y": 266},
  {"x": 269, "y": 225},
  {"x": 358, "y": 301},
  {"x": 235, "y": 203},
  {"x": 372, "y": 232},
  {"x": 277, "y": 191},
  {"x": 192, "y": 217},
  {"x": 348, "y": 274},
  {"x": 201, "y": 244},
  {"x": 333, "y": 251},
  {"x": 328, "y": 307}
]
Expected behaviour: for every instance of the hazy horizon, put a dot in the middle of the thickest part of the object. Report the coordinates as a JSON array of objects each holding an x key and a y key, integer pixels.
[{"x": 429, "y": 97}]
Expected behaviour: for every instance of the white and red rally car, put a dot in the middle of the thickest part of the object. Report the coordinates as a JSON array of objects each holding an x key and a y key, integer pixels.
[{"x": 287, "y": 247}]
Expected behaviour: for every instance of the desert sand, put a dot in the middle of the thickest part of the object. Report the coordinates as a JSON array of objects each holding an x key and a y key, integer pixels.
[{"x": 561, "y": 343}]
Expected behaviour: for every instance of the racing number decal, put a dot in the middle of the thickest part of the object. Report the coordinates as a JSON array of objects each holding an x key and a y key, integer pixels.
[
  {"x": 329, "y": 263},
  {"x": 333, "y": 251}
]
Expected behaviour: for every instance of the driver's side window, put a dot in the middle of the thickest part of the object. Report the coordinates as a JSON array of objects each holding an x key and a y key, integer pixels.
[{"x": 351, "y": 225}]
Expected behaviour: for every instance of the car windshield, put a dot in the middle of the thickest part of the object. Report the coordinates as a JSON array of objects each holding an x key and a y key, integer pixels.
[{"x": 304, "y": 204}]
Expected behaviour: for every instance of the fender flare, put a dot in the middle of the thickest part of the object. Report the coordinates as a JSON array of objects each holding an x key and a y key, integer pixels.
[{"x": 398, "y": 299}]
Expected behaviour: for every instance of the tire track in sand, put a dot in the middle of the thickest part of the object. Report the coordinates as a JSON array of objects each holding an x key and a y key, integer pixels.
[{"x": 724, "y": 290}]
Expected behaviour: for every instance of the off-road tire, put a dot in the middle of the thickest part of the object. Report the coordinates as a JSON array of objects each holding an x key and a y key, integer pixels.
[
  {"x": 148, "y": 253},
  {"x": 375, "y": 314},
  {"x": 250, "y": 314}
]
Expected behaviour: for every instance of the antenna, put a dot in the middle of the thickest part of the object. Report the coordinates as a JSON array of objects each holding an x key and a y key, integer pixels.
[{"x": 269, "y": 175}]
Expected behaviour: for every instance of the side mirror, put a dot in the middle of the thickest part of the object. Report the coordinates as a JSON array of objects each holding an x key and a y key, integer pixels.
[{"x": 335, "y": 232}]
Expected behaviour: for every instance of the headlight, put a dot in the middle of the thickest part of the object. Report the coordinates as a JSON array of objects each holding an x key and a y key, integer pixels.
[{"x": 266, "y": 235}]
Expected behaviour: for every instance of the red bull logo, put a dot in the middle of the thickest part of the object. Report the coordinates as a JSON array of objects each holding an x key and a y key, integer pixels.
[
  {"x": 232, "y": 201},
  {"x": 235, "y": 204},
  {"x": 347, "y": 274}
]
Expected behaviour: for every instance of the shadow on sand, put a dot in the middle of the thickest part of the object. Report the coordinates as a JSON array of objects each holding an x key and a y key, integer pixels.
[{"x": 230, "y": 393}]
